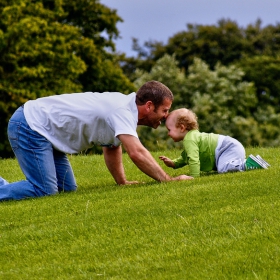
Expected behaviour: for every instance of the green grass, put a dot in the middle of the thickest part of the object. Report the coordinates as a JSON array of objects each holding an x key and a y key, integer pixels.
[{"x": 222, "y": 226}]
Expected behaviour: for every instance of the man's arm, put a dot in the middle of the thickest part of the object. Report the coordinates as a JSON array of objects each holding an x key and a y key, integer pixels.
[
  {"x": 144, "y": 160},
  {"x": 113, "y": 160}
]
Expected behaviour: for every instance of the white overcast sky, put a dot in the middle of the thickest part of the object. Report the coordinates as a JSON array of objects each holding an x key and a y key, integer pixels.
[{"x": 160, "y": 19}]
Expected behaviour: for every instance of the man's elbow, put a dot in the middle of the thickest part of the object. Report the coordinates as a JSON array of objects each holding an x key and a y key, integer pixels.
[{"x": 136, "y": 155}]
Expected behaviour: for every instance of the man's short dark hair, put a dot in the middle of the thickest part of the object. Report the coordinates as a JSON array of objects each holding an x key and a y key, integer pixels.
[{"x": 153, "y": 91}]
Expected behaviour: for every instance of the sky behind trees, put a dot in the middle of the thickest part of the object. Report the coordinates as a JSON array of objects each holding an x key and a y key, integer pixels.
[{"x": 159, "y": 20}]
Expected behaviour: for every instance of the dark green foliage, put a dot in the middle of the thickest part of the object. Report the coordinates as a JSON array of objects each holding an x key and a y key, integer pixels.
[
  {"x": 225, "y": 42},
  {"x": 55, "y": 47},
  {"x": 265, "y": 72}
]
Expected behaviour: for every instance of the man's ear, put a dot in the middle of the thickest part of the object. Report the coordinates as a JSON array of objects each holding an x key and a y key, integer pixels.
[{"x": 149, "y": 106}]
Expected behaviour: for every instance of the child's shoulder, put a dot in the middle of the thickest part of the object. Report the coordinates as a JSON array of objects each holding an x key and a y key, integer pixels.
[
  {"x": 194, "y": 131},
  {"x": 193, "y": 134}
]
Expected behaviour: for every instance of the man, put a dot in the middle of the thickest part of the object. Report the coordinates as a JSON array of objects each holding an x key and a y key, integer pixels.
[{"x": 43, "y": 131}]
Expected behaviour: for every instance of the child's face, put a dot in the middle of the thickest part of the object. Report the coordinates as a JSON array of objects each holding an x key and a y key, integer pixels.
[{"x": 176, "y": 133}]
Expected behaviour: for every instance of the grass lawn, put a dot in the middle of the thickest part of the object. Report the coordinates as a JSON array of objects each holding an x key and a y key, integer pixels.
[{"x": 222, "y": 226}]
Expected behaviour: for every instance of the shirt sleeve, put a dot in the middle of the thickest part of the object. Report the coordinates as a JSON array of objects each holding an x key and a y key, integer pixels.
[
  {"x": 180, "y": 161},
  {"x": 192, "y": 152},
  {"x": 122, "y": 121}
]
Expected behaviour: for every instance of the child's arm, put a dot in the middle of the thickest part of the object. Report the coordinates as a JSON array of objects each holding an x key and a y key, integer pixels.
[
  {"x": 192, "y": 151},
  {"x": 167, "y": 161}
]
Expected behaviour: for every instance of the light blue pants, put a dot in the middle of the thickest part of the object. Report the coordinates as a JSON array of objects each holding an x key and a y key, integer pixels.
[
  {"x": 230, "y": 155},
  {"x": 47, "y": 170}
]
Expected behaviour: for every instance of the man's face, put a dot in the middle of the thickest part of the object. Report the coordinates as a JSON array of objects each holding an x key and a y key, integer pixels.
[{"x": 155, "y": 117}]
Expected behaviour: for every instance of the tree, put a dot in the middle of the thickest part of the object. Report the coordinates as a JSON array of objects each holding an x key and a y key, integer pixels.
[
  {"x": 265, "y": 72},
  {"x": 262, "y": 41},
  {"x": 225, "y": 42},
  {"x": 103, "y": 72},
  {"x": 51, "y": 47}
]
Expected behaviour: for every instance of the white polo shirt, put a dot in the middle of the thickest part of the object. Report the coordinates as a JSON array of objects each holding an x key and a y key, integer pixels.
[{"x": 75, "y": 122}]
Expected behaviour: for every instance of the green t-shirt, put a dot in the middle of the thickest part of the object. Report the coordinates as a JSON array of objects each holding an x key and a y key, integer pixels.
[{"x": 199, "y": 152}]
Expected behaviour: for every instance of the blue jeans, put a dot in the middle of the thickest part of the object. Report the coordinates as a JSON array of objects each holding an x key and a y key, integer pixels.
[{"x": 47, "y": 170}]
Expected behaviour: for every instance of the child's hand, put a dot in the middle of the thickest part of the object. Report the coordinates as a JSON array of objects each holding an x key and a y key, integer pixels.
[{"x": 167, "y": 161}]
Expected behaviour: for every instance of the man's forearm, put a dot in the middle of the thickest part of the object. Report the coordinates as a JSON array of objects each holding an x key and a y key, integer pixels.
[
  {"x": 113, "y": 160},
  {"x": 142, "y": 158},
  {"x": 147, "y": 164}
]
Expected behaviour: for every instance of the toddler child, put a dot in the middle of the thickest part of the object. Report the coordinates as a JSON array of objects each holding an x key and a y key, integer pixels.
[{"x": 206, "y": 151}]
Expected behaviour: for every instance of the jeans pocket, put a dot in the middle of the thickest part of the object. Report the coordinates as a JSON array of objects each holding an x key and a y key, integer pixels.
[{"x": 13, "y": 133}]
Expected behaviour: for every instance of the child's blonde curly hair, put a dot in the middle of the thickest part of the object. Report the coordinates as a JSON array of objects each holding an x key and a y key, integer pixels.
[{"x": 185, "y": 117}]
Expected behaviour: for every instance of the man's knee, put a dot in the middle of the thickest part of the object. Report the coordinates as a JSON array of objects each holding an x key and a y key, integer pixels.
[{"x": 69, "y": 188}]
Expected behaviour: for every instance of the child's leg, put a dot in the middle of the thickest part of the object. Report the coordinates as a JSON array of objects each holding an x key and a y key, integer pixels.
[{"x": 230, "y": 156}]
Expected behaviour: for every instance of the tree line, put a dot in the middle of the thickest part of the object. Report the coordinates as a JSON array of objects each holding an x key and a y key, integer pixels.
[{"x": 227, "y": 74}]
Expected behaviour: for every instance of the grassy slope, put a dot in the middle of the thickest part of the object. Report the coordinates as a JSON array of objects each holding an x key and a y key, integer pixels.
[{"x": 215, "y": 227}]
